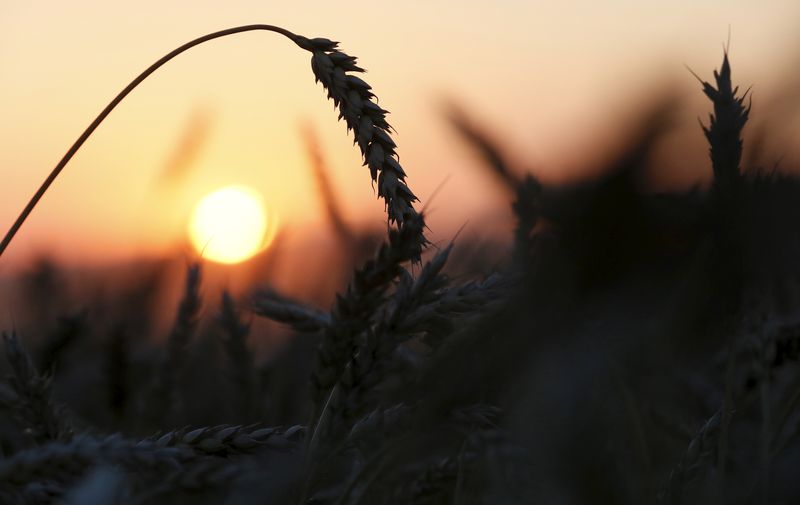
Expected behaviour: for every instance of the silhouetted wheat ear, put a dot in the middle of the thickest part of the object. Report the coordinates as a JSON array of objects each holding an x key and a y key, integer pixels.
[
  {"x": 368, "y": 365},
  {"x": 349, "y": 93},
  {"x": 43, "y": 419},
  {"x": 353, "y": 311},
  {"x": 354, "y": 97},
  {"x": 163, "y": 398},
  {"x": 241, "y": 365},
  {"x": 225, "y": 440},
  {"x": 725, "y": 125}
]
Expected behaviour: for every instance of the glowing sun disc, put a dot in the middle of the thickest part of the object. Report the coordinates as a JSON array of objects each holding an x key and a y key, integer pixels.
[{"x": 230, "y": 225}]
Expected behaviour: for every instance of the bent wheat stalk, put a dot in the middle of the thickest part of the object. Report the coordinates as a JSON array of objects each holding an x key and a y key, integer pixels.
[{"x": 350, "y": 94}]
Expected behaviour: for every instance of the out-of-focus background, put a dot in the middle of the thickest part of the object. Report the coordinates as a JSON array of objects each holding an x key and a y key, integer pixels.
[
  {"x": 546, "y": 76},
  {"x": 558, "y": 86}
]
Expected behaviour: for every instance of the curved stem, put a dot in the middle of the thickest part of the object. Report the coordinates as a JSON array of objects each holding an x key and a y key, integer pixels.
[{"x": 122, "y": 94}]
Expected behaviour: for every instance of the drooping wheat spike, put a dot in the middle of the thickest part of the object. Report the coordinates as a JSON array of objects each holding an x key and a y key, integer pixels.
[
  {"x": 302, "y": 318},
  {"x": 693, "y": 463},
  {"x": 241, "y": 365},
  {"x": 354, "y": 98},
  {"x": 162, "y": 400},
  {"x": 352, "y": 95},
  {"x": 353, "y": 311},
  {"x": 44, "y": 420},
  {"x": 725, "y": 125}
]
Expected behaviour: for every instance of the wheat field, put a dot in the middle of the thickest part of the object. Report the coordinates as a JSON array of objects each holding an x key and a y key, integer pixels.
[{"x": 626, "y": 347}]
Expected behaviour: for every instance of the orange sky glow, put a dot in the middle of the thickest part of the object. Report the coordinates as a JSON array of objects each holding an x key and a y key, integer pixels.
[{"x": 542, "y": 74}]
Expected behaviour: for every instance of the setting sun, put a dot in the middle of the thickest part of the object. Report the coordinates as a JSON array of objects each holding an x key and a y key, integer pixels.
[{"x": 230, "y": 225}]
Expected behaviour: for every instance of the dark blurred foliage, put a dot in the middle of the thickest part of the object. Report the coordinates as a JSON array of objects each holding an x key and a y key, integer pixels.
[{"x": 634, "y": 347}]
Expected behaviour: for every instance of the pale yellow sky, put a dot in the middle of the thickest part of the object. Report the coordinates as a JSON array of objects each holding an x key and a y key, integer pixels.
[{"x": 543, "y": 74}]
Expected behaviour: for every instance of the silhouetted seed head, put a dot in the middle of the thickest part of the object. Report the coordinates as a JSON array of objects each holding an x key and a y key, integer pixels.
[
  {"x": 725, "y": 125},
  {"x": 240, "y": 358},
  {"x": 225, "y": 440},
  {"x": 354, "y": 98},
  {"x": 353, "y": 311},
  {"x": 352, "y": 95},
  {"x": 163, "y": 398},
  {"x": 186, "y": 317},
  {"x": 43, "y": 419}
]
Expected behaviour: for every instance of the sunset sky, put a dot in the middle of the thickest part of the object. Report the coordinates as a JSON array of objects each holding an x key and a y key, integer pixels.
[{"x": 542, "y": 74}]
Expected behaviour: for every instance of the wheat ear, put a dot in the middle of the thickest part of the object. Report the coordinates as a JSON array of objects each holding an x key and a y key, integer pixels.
[
  {"x": 43, "y": 420},
  {"x": 349, "y": 93},
  {"x": 226, "y": 440},
  {"x": 62, "y": 461},
  {"x": 725, "y": 125},
  {"x": 162, "y": 400},
  {"x": 368, "y": 122},
  {"x": 352, "y": 312},
  {"x": 367, "y": 366},
  {"x": 240, "y": 358}
]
